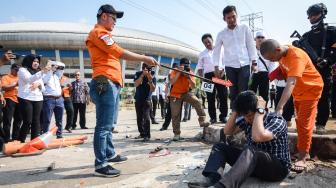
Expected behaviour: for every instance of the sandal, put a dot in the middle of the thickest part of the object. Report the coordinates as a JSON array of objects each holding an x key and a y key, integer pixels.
[{"x": 308, "y": 166}]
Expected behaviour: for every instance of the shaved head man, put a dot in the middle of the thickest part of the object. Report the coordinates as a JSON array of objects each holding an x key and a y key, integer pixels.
[{"x": 305, "y": 84}]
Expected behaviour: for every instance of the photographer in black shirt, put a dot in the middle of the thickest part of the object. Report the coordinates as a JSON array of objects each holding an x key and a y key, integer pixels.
[{"x": 145, "y": 84}]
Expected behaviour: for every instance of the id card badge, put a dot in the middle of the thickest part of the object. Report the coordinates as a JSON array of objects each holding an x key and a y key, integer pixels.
[{"x": 207, "y": 87}]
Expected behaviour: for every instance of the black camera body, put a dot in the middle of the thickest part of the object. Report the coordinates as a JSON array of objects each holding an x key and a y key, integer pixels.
[{"x": 187, "y": 67}]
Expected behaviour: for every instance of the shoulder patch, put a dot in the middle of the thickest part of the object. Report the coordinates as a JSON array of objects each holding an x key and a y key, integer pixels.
[{"x": 107, "y": 39}]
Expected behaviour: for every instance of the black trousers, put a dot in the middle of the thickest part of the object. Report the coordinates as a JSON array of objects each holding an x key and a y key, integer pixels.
[
  {"x": 168, "y": 117},
  {"x": 323, "y": 106},
  {"x": 11, "y": 110},
  {"x": 288, "y": 110},
  {"x": 153, "y": 107},
  {"x": 69, "y": 109},
  {"x": 260, "y": 83},
  {"x": 31, "y": 113},
  {"x": 142, "y": 109},
  {"x": 239, "y": 77},
  {"x": 244, "y": 163},
  {"x": 81, "y": 108},
  {"x": 163, "y": 106},
  {"x": 222, "y": 93},
  {"x": 333, "y": 98}
]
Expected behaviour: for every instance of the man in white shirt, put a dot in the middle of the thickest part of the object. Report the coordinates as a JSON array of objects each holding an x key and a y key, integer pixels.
[
  {"x": 239, "y": 52},
  {"x": 206, "y": 68},
  {"x": 52, "y": 98},
  {"x": 260, "y": 80}
]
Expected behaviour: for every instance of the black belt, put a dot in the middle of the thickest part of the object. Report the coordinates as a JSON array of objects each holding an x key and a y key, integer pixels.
[{"x": 51, "y": 96}]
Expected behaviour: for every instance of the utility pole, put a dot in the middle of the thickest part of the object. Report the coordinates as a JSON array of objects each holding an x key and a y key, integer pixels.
[{"x": 255, "y": 21}]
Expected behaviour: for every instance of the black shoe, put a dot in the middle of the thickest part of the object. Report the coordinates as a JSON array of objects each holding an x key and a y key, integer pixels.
[
  {"x": 163, "y": 129},
  {"x": 200, "y": 184},
  {"x": 59, "y": 137},
  {"x": 213, "y": 121},
  {"x": 146, "y": 139},
  {"x": 185, "y": 120},
  {"x": 223, "y": 120},
  {"x": 84, "y": 128},
  {"x": 69, "y": 130},
  {"x": 117, "y": 159},
  {"x": 107, "y": 171},
  {"x": 73, "y": 128},
  {"x": 139, "y": 137},
  {"x": 114, "y": 131}
]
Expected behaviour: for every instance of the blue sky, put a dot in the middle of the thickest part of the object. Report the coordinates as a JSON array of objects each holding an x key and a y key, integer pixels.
[{"x": 184, "y": 20}]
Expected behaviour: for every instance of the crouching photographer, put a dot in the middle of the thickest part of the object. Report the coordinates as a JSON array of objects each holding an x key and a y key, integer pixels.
[{"x": 181, "y": 92}]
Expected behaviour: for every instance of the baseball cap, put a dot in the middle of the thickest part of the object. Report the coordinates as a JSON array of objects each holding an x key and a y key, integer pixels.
[
  {"x": 259, "y": 34},
  {"x": 109, "y": 9}
]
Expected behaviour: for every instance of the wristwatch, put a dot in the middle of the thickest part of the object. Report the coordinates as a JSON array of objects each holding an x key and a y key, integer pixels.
[{"x": 261, "y": 110}]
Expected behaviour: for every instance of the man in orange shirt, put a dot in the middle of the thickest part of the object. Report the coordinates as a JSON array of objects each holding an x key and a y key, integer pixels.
[
  {"x": 65, "y": 85},
  {"x": 105, "y": 86},
  {"x": 10, "y": 86},
  {"x": 305, "y": 84},
  {"x": 180, "y": 92}
]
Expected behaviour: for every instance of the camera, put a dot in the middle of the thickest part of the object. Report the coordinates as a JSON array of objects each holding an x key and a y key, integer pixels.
[{"x": 187, "y": 67}]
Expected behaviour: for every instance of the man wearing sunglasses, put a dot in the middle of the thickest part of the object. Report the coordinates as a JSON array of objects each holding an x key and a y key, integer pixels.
[{"x": 105, "y": 85}]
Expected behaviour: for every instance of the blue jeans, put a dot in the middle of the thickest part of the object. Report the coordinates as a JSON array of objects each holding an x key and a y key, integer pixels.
[
  {"x": 51, "y": 105},
  {"x": 105, "y": 115}
]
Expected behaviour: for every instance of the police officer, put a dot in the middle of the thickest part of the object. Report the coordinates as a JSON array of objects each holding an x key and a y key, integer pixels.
[{"x": 322, "y": 39}]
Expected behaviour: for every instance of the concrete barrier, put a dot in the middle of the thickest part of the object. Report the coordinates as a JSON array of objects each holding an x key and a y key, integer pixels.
[{"x": 323, "y": 146}]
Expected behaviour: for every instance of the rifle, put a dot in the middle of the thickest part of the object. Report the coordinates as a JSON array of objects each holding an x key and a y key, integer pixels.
[
  {"x": 304, "y": 44},
  {"x": 215, "y": 80}
]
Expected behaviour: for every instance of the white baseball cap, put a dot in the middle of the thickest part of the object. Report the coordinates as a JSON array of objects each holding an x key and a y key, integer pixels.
[{"x": 259, "y": 34}]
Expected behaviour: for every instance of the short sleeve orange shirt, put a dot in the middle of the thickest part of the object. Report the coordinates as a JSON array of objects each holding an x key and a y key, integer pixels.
[
  {"x": 7, "y": 80},
  {"x": 104, "y": 54},
  {"x": 66, "y": 89},
  {"x": 181, "y": 86},
  {"x": 309, "y": 83}
]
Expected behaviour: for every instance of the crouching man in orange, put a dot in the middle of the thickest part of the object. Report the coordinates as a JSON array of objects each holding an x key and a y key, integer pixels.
[
  {"x": 181, "y": 92},
  {"x": 305, "y": 84}
]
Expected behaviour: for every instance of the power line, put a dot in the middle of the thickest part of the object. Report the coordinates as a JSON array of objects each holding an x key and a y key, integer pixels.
[
  {"x": 159, "y": 16},
  {"x": 197, "y": 13},
  {"x": 248, "y": 6},
  {"x": 251, "y": 20},
  {"x": 207, "y": 7}
]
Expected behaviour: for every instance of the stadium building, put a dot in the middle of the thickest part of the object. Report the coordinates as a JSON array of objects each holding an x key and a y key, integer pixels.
[{"x": 65, "y": 42}]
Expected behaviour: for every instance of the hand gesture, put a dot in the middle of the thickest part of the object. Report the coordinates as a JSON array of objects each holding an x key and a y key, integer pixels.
[
  {"x": 47, "y": 67},
  {"x": 150, "y": 61},
  {"x": 261, "y": 103},
  {"x": 34, "y": 86}
]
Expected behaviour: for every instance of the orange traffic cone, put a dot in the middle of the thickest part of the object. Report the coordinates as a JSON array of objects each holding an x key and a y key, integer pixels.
[{"x": 38, "y": 143}]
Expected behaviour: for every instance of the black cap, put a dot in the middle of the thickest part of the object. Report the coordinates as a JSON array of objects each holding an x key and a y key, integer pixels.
[
  {"x": 109, "y": 9},
  {"x": 184, "y": 61}
]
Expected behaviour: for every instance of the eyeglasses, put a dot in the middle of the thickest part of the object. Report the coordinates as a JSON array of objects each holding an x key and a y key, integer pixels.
[
  {"x": 113, "y": 18},
  {"x": 260, "y": 37}
]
